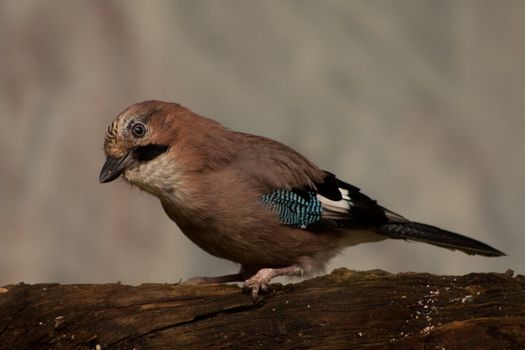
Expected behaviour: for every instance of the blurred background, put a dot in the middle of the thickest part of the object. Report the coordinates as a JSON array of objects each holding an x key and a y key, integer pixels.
[{"x": 419, "y": 103}]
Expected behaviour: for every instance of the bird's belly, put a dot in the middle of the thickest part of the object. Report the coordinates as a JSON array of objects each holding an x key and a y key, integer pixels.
[
  {"x": 213, "y": 242},
  {"x": 355, "y": 237},
  {"x": 263, "y": 242},
  {"x": 237, "y": 227}
]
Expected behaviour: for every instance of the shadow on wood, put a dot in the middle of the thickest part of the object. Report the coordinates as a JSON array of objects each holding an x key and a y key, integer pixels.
[{"x": 345, "y": 309}]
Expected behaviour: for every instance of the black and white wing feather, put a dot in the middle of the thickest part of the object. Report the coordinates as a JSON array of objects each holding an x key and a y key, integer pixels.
[{"x": 337, "y": 204}]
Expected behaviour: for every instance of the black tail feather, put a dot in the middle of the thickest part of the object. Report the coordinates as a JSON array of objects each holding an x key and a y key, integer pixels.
[{"x": 436, "y": 236}]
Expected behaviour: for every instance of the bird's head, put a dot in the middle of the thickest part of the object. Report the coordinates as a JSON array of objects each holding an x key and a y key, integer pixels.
[
  {"x": 133, "y": 139},
  {"x": 153, "y": 144}
]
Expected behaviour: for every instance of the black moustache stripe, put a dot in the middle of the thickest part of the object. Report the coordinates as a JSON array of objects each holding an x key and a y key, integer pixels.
[{"x": 148, "y": 152}]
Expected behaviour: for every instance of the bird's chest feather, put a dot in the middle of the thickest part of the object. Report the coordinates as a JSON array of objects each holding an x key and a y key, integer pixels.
[
  {"x": 222, "y": 217},
  {"x": 209, "y": 230}
]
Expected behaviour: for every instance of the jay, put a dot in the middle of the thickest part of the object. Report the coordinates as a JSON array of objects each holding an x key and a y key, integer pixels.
[{"x": 250, "y": 199}]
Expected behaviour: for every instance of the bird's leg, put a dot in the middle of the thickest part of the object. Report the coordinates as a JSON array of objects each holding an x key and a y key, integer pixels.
[
  {"x": 244, "y": 273},
  {"x": 261, "y": 279},
  {"x": 236, "y": 277}
]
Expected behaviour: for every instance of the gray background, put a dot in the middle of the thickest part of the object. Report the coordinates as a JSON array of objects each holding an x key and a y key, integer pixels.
[{"x": 419, "y": 103}]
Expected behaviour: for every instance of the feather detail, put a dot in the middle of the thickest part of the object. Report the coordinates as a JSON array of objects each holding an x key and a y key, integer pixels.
[
  {"x": 345, "y": 194},
  {"x": 341, "y": 206},
  {"x": 304, "y": 208},
  {"x": 294, "y": 208},
  {"x": 331, "y": 202}
]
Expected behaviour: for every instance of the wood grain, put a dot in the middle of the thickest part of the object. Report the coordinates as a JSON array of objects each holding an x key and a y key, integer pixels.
[{"x": 345, "y": 309}]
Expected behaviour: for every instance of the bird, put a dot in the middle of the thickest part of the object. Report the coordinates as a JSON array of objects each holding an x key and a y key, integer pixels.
[{"x": 250, "y": 199}]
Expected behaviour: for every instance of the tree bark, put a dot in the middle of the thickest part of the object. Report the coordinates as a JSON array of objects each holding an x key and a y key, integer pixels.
[{"x": 343, "y": 310}]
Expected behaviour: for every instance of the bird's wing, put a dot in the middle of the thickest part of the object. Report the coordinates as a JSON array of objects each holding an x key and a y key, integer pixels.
[
  {"x": 303, "y": 195},
  {"x": 331, "y": 203},
  {"x": 273, "y": 165}
]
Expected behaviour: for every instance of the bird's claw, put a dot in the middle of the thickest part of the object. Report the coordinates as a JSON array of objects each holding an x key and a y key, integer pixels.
[{"x": 259, "y": 282}]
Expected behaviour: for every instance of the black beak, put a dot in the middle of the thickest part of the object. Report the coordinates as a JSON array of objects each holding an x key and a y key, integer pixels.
[{"x": 114, "y": 166}]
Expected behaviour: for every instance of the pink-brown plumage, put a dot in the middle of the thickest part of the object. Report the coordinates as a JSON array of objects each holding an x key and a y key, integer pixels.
[{"x": 212, "y": 182}]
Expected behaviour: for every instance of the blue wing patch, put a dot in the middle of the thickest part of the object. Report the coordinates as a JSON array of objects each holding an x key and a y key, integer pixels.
[{"x": 294, "y": 209}]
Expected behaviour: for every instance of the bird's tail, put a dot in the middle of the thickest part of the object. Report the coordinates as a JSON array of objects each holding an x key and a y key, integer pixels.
[{"x": 436, "y": 236}]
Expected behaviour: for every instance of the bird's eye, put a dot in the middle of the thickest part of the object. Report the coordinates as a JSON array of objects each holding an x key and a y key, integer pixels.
[{"x": 138, "y": 130}]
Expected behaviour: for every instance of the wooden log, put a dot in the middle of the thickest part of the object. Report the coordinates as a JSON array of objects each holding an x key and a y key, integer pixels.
[{"x": 343, "y": 310}]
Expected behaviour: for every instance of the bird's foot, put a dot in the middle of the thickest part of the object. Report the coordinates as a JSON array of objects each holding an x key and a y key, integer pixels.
[
  {"x": 259, "y": 281},
  {"x": 262, "y": 278}
]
